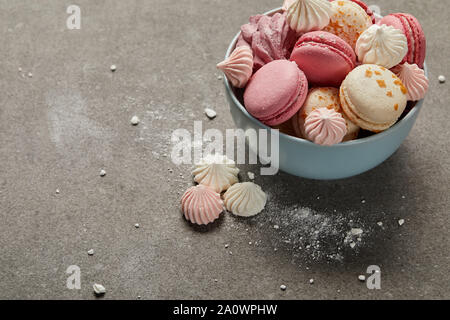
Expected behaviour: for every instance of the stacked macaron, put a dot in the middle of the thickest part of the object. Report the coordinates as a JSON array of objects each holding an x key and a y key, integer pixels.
[{"x": 329, "y": 69}]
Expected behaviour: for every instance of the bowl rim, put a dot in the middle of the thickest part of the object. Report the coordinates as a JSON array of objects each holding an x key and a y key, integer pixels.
[{"x": 411, "y": 114}]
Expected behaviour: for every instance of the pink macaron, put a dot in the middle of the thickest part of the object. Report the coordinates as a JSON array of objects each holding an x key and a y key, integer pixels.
[
  {"x": 276, "y": 92},
  {"x": 414, "y": 34},
  {"x": 325, "y": 58}
]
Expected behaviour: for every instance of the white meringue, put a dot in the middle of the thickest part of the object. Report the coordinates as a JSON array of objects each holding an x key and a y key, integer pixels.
[
  {"x": 245, "y": 199},
  {"x": 309, "y": 15},
  {"x": 238, "y": 67},
  {"x": 217, "y": 172},
  {"x": 287, "y": 4},
  {"x": 383, "y": 45},
  {"x": 414, "y": 80}
]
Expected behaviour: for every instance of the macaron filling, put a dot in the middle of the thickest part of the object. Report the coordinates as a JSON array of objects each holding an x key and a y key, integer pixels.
[
  {"x": 360, "y": 119},
  {"x": 417, "y": 44}
]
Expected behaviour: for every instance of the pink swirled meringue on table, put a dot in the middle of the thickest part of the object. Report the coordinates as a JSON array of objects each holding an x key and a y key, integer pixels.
[
  {"x": 201, "y": 205},
  {"x": 325, "y": 127},
  {"x": 238, "y": 67},
  {"x": 414, "y": 79},
  {"x": 270, "y": 38}
]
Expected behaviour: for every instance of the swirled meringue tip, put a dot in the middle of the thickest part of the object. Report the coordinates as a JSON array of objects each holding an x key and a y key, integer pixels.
[
  {"x": 217, "y": 172},
  {"x": 325, "y": 127},
  {"x": 287, "y": 4},
  {"x": 414, "y": 79},
  {"x": 238, "y": 68},
  {"x": 245, "y": 199},
  {"x": 382, "y": 45},
  {"x": 201, "y": 205},
  {"x": 309, "y": 15}
]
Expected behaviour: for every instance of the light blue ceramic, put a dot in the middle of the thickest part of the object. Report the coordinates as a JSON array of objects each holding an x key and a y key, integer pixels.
[{"x": 305, "y": 159}]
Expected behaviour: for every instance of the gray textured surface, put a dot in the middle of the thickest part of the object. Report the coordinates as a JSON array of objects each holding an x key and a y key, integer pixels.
[{"x": 59, "y": 128}]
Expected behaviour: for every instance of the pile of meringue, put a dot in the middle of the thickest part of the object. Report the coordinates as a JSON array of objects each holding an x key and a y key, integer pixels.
[
  {"x": 218, "y": 190},
  {"x": 268, "y": 38}
]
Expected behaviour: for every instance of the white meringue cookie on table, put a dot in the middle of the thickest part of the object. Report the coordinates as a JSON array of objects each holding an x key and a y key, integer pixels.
[
  {"x": 245, "y": 199},
  {"x": 309, "y": 15},
  {"x": 383, "y": 45},
  {"x": 414, "y": 79},
  {"x": 217, "y": 172}
]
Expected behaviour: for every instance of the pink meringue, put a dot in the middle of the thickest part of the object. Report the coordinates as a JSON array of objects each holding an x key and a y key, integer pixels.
[
  {"x": 325, "y": 126},
  {"x": 414, "y": 79},
  {"x": 238, "y": 67},
  {"x": 270, "y": 38},
  {"x": 201, "y": 205}
]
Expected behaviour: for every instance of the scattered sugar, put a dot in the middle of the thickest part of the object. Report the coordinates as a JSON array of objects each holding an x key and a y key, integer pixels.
[{"x": 310, "y": 235}]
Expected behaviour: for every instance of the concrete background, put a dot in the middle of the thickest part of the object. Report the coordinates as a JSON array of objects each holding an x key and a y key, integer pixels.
[{"x": 71, "y": 119}]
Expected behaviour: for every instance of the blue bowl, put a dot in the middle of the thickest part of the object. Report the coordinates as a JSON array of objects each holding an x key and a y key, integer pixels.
[{"x": 305, "y": 159}]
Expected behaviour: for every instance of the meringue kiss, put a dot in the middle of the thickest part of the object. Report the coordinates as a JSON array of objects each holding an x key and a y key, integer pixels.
[
  {"x": 325, "y": 127},
  {"x": 238, "y": 67},
  {"x": 382, "y": 45},
  {"x": 245, "y": 199},
  {"x": 201, "y": 205},
  {"x": 287, "y": 4},
  {"x": 309, "y": 15},
  {"x": 414, "y": 80},
  {"x": 217, "y": 172}
]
